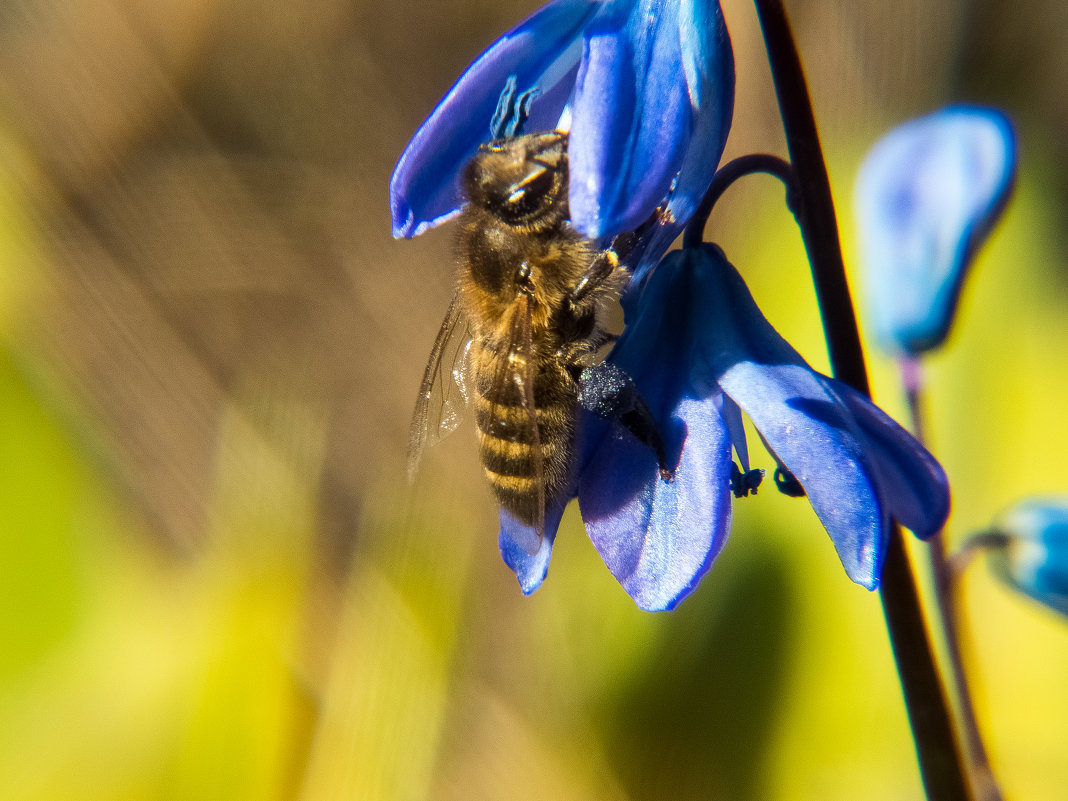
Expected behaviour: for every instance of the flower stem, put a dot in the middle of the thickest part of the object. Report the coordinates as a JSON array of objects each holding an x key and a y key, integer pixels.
[
  {"x": 939, "y": 758},
  {"x": 727, "y": 175},
  {"x": 945, "y": 587}
]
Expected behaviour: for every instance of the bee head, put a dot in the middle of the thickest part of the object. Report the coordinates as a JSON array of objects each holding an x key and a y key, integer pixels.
[{"x": 522, "y": 180}]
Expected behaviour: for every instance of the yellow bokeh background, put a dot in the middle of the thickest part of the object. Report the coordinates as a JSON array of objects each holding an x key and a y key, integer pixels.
[{"x": 215, "y": 582}]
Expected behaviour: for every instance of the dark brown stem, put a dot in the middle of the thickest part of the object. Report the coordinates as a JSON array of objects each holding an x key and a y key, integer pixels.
[
  {"x": 727, "y": 175},
  {"x": 940, "y": 764}
]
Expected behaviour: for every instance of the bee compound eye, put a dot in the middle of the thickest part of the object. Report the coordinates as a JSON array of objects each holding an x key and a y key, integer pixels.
[
  {"x": 540, "y": 181},
  {"x": 530, "y": 196}
]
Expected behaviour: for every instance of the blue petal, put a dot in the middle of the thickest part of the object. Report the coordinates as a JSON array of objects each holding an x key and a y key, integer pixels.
[
  {"x": 810, "y": 432},
  {"x": 708, "y": 64},
  {"x": 708, "y": 61},
  {"x": 1035, "y": 558},
  {"x": 927, "y": 195},
  {"x": 631, "y": 118},
  {"x": 659, "y": 537},
  {"x": 544, "y": 52},
  {"x": 910, "y": 479},
  {"x": 857, "y": 467},
  {"x": 516, "y": 541}
]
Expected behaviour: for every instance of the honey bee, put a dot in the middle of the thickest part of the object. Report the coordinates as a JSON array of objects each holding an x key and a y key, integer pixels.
[{"x": 522, "y": 333}]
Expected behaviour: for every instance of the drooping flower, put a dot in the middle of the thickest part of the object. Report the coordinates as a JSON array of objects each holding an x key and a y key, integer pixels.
[
  {"x": 927, "y": 195},
  {"x": 648, "y": 88},
  {"x": 1029, "y": 550},
  {"x": 698, "y": 348}
]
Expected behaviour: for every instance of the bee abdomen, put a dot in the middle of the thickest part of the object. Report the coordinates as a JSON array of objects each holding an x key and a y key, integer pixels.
[
  {"x": 506, "y": 458},
  {"x": 510, "y": 447}
]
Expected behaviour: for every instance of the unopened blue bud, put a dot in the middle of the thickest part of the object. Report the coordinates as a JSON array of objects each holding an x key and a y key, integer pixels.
[
  {"x": 1032, "y": 552},
  {"x": 927, "y": 195}
]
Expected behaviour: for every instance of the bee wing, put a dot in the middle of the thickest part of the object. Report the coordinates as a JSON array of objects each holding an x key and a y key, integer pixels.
[
  {"x": 514, "y": 379},
  {"x": 443, "y": 394}
]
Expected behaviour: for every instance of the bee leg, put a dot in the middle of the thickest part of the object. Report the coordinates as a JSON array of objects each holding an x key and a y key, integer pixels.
[
  {"x": 610, "y": 393},
  {"x": 578, "y": 354},
  {"x": 599, "y": 340},
  {"x": 602, "y": 268}
]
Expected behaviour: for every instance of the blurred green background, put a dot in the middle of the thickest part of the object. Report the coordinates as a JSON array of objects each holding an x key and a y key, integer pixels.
[{"x": 215, "y": 582}]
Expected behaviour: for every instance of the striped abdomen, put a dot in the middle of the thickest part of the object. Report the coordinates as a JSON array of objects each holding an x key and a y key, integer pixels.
[{"x": 509, "y": 443}]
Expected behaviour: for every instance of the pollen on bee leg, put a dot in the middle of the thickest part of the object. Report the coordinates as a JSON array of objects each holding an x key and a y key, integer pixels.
[{"x": 609, "y": 392}]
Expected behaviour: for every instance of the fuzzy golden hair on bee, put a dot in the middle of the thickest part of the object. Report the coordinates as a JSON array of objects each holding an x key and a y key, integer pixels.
[{"x": 532, "y": 296}]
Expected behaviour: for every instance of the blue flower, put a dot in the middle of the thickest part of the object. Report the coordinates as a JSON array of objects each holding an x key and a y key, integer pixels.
[
  {"x": 648, "y": 86},
  {"x": 1032, "y": 550},
  {"x": 927, "y": 195},
  {"x": 698, "y": 349}
]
